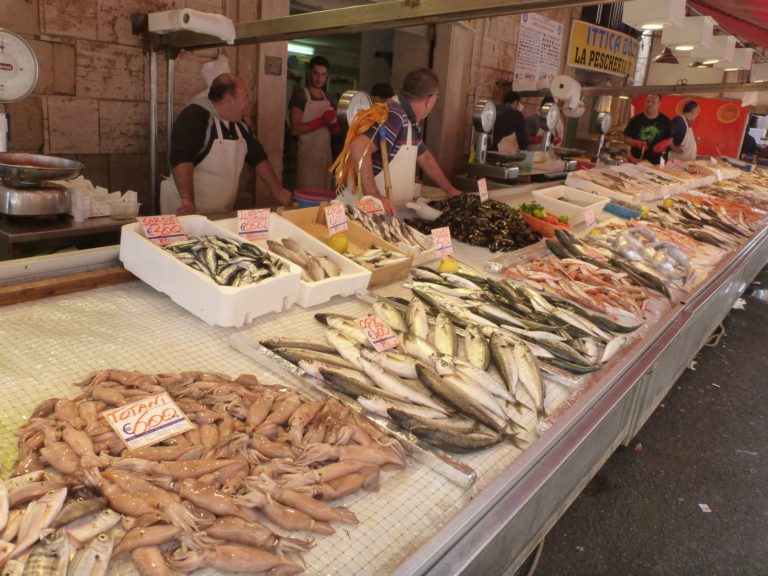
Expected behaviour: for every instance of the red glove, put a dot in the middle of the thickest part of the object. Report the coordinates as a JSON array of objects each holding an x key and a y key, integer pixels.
[
  {"x": 637, "y": 143},
  {"x": 557, "y": 140},
  {"x": 329, "y": 116},
  {"x": 662, "y": 145},
  {"x": 535, "y": 140},
  {"x": 316, "y": 124}
]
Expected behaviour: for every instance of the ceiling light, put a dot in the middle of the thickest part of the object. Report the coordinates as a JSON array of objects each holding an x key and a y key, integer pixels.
[
  {"x": 721, "y": 49},
  {"x": 711, "y": 61},
  {"x": 665, "y": 57},
  {"x": 695, "y": 33},
  {"x": 653, "y": 14},
  {"x": 300, "y": 49},
  {"x": 742, "y": 60},
  {"x": 623, "y": 97}
]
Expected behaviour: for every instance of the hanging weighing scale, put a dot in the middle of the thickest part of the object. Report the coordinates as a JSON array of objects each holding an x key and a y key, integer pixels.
[
  {"x": 24, "y": 186},
  {"x": 485, "y": 164}
]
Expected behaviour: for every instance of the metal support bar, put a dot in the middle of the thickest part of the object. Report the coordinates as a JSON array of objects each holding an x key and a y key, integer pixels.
[
  {"x": 661, "y": 89},
  {"x": 171, "y": 69},
  {"x": 154, "y": 193},
  {"x": 381, "y": 15}
]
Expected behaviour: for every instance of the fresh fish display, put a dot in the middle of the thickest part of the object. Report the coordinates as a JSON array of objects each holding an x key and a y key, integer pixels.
[
  {"x": 315, "y": 268},
  {"x": 389, "y": 228},
  {"x": 227, "y": 261},
  {"x": 263, "y": 451},
  {"x": 376, "y": 257},
  {"x": 492, "y": 224}
]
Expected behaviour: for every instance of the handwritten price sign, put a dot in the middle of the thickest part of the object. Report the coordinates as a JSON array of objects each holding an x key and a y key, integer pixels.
[
  {"x": 253, "y": 224},
  {"x": 589, "y": 218},
  {"x": 442, "y": 240},
  {"x": 336, "y": 218},
  {"x": 482, "y": 187},
  {"x": 370, "y": 205},
  {"x": 162, "y": 230},
  {"x": 379, "y": 334},
  {"x": 148, "y": 421}
]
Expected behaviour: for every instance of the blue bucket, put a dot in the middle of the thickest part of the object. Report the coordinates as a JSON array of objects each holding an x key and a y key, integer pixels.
[{"x": 307, "y": 197}]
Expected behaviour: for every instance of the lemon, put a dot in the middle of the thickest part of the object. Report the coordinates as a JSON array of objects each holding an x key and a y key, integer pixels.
[
  {"x": 339, "y": 242},
  {"x": 667, "y": 203},
  {"x": 448, "y": 265}
]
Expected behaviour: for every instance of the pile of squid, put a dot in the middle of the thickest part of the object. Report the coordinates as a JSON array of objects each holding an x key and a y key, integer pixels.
[
  {"x": 491, "y": 224},
  {"x": 389, "y": 228},
  {"x": 259, "y": 457},
  {"x": 227, "y": 261},
  {"x": 474, "y": 357}
]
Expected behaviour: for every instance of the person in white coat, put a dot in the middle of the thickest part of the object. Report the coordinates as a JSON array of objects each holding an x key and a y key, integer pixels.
[
  {"x": 684, "y": 146},
  {"x": 210, "y": 142},
  {"x": 405, "y": 146},
  {"x": 312, "y": 121}
]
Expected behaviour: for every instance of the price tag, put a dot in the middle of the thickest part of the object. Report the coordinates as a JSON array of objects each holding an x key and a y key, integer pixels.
[
  {"x": 253, "y": 224},
  {"x": 162, "y": 230},
  {"x": 370, "y": 205},
  {"x": 442, "y": 240},
  {"x": 148, "y": 421},
  {"x": 589, "y": 218},
  {"x": 713, "y": 161},
  {"x": 665, "y": 192},
  {"x": 719, "y": 175},
  {"x": 379, "y": 334},
  {"x": 336, "y": 218},
  {"x": 482, "y": 187}
]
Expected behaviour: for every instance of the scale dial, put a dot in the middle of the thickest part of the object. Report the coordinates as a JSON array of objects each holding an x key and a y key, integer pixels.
[
  {"x": 350, "y": 103},
  {"x": 18, "y": 67},
  {"x": 484, "y": 115}
]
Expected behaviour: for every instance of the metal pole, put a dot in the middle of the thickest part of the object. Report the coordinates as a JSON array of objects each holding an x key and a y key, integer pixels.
[
  {"x": 171, "y": 67},
  {"x": 153, "y": 191}
]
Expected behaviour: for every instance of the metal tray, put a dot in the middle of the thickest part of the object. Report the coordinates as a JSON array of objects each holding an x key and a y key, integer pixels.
[{"x": 25, "y": 170}]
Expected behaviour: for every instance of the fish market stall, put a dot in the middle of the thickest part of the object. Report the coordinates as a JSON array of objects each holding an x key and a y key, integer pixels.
[{"x": 431, "y": 510}]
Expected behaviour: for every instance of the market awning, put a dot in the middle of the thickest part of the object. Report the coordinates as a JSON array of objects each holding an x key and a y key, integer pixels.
[{"x": 745, "y": 19}]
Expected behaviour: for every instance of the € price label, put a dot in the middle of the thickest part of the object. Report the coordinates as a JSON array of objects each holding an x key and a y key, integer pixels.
[
  {"x": 162, "y": 230},
  {"x": 148, "y": 421},
  {"x": 482, "y": 187},
  {"x": 253, "y": 224},
  {"x": 379, "y": 334},
  {"x": 336, "y": 218},
  {"x": 370, "y": 205},
  {"x": 441, "y": 237},
  {"x": 589, "y": 218}
]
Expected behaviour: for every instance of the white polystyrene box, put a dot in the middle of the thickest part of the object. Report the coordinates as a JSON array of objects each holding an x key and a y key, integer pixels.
[
  {"x": 197, "y": 292},
  {"x": 574, "y": 204},
  {"x": 353, "y": 276}
]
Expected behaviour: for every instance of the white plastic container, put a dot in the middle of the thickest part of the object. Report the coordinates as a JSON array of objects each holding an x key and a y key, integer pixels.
[
  {"x": 197, "y": 292},
  {"x": 353, "y": 276},
  {"x": 567, "y": 201}
]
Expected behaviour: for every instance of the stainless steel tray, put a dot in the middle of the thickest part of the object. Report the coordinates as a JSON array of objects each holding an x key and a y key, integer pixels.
[{"x": 28, "y": 170}]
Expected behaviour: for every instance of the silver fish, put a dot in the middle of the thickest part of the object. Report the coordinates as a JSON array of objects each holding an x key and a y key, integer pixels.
[
  {"x": 283, "y": 342},
  {"x": 393, "y": 384},
  {"x": 348, "y": 328},
  {"x": 282, "y": 250},
  {"x": 330, "y": 267},
  {"x": 77, "y": 509},
  {"x": 613, "y": 346},
  {"x": 50, "y": 557},
  {"x": 94, "y": 558},
  {"x": 461, "y": 281},
  {"x": 315, "y": 269},
  {"x": 295, "y": 355},
  {"x": 530, "y": 377},
  {"x": 420, "y": 348},
  {"x": 87, "y": 527},
  {"x": 295, "y": 247},
  {"x": 346, "y": 348},
  {"x": 379, "y": 405},
  {"x": 416, "y": 318},
  {"x": 390, "y": 315},
  {"x": 445, "y": 335},
  {"x": 401, "y": 364},
  {"x": 443, "y": 438},
  {"x": 476, "y": 347},
  {"x": 37, "y": 517}
]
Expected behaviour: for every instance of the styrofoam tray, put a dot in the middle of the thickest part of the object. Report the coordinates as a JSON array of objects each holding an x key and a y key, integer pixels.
[
  {"x": 575, "y": 205},
  {"x": 353, "y": 276},
  {"x": 197, "y": 292}
]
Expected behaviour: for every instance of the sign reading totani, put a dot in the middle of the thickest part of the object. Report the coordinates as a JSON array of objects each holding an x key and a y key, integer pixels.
[{"x": 601, "y": 49}]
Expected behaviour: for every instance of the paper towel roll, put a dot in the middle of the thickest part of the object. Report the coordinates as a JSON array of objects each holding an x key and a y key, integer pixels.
[
  {"x": 193, "y": 20},
  {"x": 566, "y": 88},
  {"x": 577, "y": 112}
]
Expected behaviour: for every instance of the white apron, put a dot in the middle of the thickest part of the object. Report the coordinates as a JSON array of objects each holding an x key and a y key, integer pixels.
[
  {"x": 688, "y": 144},
  {"x": 402, "y": 172},
  {"x": 215, "y": 179},
  {"x": 314, "y": 149}
]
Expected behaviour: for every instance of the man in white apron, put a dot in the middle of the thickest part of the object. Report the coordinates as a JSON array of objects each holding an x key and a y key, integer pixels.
[
  {"x": 209, "y": 143},
  {"x": 683, "y": 145},
  {"x": 313, "y": 120},
  {"x": 404, "y": 143}
]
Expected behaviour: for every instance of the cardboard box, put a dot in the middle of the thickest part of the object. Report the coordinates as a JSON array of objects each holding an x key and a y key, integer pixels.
[
  {"x": 197, "y": 292},
  {"x": 312, "y": 221},
  {"x": 353, "y": 276}
]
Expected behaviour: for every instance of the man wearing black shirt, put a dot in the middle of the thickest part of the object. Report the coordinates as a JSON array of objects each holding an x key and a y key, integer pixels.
[
  {"x": 509, "y": 120},
  {"x": 648, "y": 132}
]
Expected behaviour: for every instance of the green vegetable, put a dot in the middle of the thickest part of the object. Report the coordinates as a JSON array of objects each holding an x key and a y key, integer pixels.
[{"x": 563, "y": 219}]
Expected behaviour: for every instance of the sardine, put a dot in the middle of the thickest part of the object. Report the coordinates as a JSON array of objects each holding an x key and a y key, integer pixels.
[
  {"x": 345, "y": 347},
  {"x": 416, "y": 319},
  {"x": 379, "y": 405},
  {"x": 504, "y": 361},
  {"x": 476, "y": 347},
  {"x": 529, "y": 375},
  {"x": 393, "y": 384},
  {"x": 390, "y": 315},
  {"x": 444, "y": 335},
  {"x": 401, "y": 364},
  {"x": 420, "y": 348}
]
